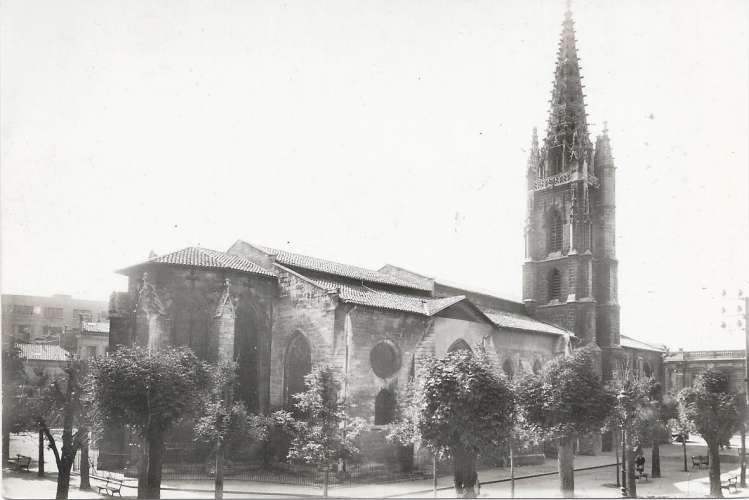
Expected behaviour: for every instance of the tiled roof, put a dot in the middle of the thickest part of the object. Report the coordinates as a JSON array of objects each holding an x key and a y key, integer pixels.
[
  {"x": 625, "y": 341},
  {"x": 338, "y": 269},
  {"x": 95, "y": 327},
  {"x": 212, "y": 259},
  {"x": 43, "y": 352},
  {"x": 387, "y": 300},
  {"x": 504, "y": 319}
]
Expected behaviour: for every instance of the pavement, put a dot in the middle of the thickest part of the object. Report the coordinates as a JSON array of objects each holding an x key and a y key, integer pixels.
[{"x": 595, "y": 477}]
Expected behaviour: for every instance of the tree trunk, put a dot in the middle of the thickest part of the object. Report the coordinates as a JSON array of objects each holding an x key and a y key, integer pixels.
[
  {"x": 714, "y": 452},
  {"x": 629, "y": 453},
  {"x": 143, "y": 471},
  {"x": 155, "y": 456},
  {"x": 464, "y": 473},
  {"x": 40, "y": 453},
  {"x": 655, "y": 460},
  {"x": 615, "y": 439},
  {"x": 85, "y": 481},
  {"x": 6, "y": 442},
  {"x": 684, "y": 450},
  {"x": 219, "y": 487},
  {"x": 566, "y": 466},
  {"x": 63, "y": 477},
  {"x": 742, "y": 458}
]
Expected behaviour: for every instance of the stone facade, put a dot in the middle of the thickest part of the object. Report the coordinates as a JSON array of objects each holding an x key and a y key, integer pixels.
[
  {"x": 683, "y": 367},
  {"x": 570, "y": 273},
  {"x": 279, "y": 313}
]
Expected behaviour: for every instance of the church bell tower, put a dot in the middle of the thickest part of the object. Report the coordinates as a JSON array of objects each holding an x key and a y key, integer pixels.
[{"x": 570, "y": 270}]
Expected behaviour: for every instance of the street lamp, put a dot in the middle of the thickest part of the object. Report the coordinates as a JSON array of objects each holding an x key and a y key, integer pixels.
[{"x": 621, "y": 398}]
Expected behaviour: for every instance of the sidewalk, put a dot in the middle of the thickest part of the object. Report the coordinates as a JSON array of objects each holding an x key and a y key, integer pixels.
[{"x": 594, "y": 477}]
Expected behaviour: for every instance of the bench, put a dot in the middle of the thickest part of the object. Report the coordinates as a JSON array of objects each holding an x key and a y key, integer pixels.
[
  {"x": 20, "y": 462},
  {"x": 730, "y": 482},
  {"x": 111, "y": 487},
  {"x": 699, "y": 460}
]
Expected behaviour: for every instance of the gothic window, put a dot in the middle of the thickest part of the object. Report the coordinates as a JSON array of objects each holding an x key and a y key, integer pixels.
[
  {"x": 460, "y": 345},
  {"x": 508, "y": 369},
  {"x": 384, "y": 407},
  {"x": 586, "y": 237},
  {"x": 556, "y": 231},
  {"x": 648, "y": 369},
  {"x": 555, "y": 285},
  {"x": 297, "y": 364},
  {"x": 384, "y": 359},
  {"x": 537, "y": 367}
]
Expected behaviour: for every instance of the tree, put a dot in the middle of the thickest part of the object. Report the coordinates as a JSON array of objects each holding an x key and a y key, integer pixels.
[
  {"x": 652, "y": 421},
  {"x": 224, "y": 420},
  {"x": 33, "y": 392},
  {"x": 460, "y": 408},
  {"x": 63, "y": 402},
  {"x": 14, "y": 377},
  {"x": 682, "y": 427},
  {"x": 715, "y": 414},
  {"x": 565, "y": 400},
  {"x": 149, "y": 392},
  {"x": 323, "y": 434},
  {"x": 634, "y": 413}
]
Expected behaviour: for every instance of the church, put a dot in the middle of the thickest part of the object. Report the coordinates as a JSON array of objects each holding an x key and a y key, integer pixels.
[{"x": 279, "y": 313}]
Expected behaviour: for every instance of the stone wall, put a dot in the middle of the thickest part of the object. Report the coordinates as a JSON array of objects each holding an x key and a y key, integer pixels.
[{"x": 305, "y": 308}]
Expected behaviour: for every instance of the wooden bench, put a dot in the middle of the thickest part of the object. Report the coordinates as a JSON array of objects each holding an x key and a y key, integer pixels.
[
  {"x": 730, "y": 482},
  {"x": 111, "y": 487},
  {"x": 700, "y": 460},
  {"x": 20, "y": 462}
]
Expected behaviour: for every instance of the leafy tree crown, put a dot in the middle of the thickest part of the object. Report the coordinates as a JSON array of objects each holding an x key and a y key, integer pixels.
[
  {"x": 148, "y": 390},
  {"x": 714, "y": 412},
  {"x": 463, "y": 404},
  {"x": 566, "y": 398}
]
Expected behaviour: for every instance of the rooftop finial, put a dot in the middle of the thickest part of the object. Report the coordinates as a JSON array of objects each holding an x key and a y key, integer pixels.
[
  {"x": 605, "y": 128},
  {"x": 568, "y": 12}
]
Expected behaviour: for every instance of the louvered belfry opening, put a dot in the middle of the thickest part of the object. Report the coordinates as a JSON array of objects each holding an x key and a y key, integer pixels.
[
  {"x": 555, "y": 232},
  {"x": 555, "y": 285}
]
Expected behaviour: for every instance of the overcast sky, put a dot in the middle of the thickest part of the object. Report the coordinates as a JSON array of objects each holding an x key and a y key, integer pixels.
[{"x": 370, "y": 132}]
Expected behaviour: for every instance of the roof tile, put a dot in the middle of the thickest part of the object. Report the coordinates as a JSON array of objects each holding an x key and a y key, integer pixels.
[
  {"x": 504, "y": 319},
  {"x": 206, "y": 258},
  {"x": 366, "y": 296},
  {"x": 42, "y": 352},
  {"x": 338, "y": 269}
]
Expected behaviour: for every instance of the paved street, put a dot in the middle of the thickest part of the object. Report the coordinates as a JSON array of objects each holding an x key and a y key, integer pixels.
[{"x": 597, "y": 482}]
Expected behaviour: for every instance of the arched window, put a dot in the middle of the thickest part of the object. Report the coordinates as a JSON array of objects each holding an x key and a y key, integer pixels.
[
  {"x": 556, "y": 229},
  {"x": 508, "y": 369},
  {"x": 384, "y": 407},
  {"x": 555, "y": 285},
  {"x": 460, "y": 345},
  {"x": 297, "y": 364},
  {"x": 647, "y": 369}
]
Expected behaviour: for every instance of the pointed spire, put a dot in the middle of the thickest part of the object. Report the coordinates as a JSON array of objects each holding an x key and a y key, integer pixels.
[
  {"x": 603, "y": 156},
  {"x": 533, "y": 155},
  {"x": 567, "y": 131}
]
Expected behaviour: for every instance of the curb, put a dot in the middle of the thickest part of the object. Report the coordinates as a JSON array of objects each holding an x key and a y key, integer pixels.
[{"x": 504, "y": 480}]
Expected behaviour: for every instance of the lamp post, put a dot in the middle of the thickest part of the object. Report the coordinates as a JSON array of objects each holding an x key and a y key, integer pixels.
[{"x": 622, "y": 399}]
